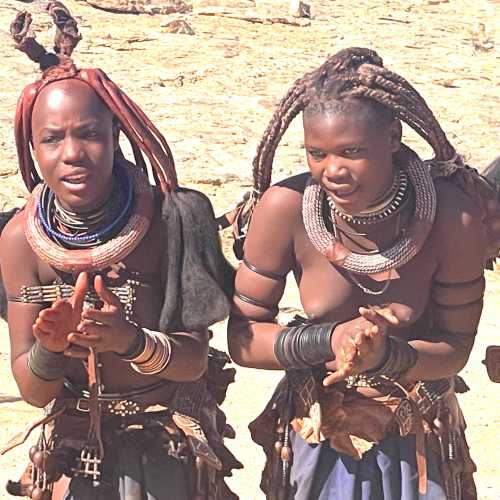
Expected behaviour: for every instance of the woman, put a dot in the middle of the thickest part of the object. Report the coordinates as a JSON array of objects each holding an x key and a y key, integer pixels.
[
  {"x": 112, "y": 284},
  {"x": 388, "y": 254}
]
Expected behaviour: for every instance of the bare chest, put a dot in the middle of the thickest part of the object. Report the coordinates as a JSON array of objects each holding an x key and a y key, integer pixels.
[{"x": 329, "y": 293}]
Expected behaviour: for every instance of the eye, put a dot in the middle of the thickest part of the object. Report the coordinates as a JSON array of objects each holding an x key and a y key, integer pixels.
[
  {"x": 316, "y": 154},
  {"x": 90, "y": 134},
  {"x": 50, "y": 139},
  {"x": 352, "y": 151}
]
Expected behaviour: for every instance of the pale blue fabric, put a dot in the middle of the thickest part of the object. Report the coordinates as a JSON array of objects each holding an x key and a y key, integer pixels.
[{"x": 386, "y": 472}]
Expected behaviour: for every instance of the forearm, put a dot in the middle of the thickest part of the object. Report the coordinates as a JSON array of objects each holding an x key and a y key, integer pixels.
[
  {"x": 251, "y": 343},
  {"x": 180, "y": 356},
  {"x": 442, "y": 357},
  {"x": 34, "y": 390},
  {"x": 189, "y": 359},
  {"x": 270, "y": 346}
]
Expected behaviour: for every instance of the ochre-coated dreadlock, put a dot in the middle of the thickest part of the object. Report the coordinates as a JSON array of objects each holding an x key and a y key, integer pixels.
[
  {"x": 359, "y": 73},
  {"x": 143, "y": 136}
]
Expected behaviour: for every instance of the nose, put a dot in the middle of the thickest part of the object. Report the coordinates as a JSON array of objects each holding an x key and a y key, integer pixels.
[
  {"x": 335, "y": 169},
  {"x": 72, "y": 150}
]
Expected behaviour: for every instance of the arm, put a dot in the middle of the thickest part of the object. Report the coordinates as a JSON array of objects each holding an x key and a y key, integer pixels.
[
  {"x": 457, "y": 290},
  {"x": 18, "y": 267},
  {"x": 107, "y": 330},
  {"x": 253, "y": 333},
  {"x": 260, "y": 282}
]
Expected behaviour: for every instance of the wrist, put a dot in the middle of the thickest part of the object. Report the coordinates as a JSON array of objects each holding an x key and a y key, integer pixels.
[
  {"x": 304, "y": 346},
  {"x": 45, "y": 364},
  {"x": 134, "y": 342},
  {"x": 383, "y": 358}
]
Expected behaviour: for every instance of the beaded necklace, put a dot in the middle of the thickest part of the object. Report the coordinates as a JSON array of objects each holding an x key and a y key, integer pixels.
[
  {"x": 405, "y": 248},
  {"x": 87, "y": 230},
  {"x": 387, "y": 206},
  {"x": 114, "y": 246}
]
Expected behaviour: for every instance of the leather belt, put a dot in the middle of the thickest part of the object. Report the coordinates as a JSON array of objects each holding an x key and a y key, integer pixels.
[{"x": 115, "y": 407}]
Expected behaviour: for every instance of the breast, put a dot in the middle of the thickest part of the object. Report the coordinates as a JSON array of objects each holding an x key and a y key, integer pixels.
[{"x": 330, "y": 294}]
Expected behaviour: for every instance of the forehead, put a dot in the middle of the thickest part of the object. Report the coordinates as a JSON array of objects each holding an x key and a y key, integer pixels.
[
  {"x": 68, "y": 99},
  {"x": 347, "y": 126}
]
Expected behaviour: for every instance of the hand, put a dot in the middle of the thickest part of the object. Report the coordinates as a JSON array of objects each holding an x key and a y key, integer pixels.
[
  {"x": 53, "y": 325},
  {"x": 360, "y": 344},
  {"x": 106, "y": 329}
]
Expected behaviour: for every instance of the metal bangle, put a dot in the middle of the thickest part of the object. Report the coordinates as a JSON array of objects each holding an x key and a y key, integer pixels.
[
  {"x": 304, "y": 346},
  {"x": 399, "y": 358}
]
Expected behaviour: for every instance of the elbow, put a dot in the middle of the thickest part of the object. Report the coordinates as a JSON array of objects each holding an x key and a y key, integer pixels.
[
  {"x": 197, "y": 370},
  {"x": 36, "y": 398},
  {"x": 237, "y": 352}
]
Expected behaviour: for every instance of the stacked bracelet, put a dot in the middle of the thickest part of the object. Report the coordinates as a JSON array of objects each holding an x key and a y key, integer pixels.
[
  {"x": 399, "y": 358},
  {"x": 304, "y": 346},
  {"x": 137, "y": 345},
  {"x": 155, "y": 355},
  {"x": 46, "y": 365}
]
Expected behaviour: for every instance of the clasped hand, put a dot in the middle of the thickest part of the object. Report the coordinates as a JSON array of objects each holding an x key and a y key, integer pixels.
[
  {"x": 360, "y": 344},
  {"x": 67, "y": 327}
]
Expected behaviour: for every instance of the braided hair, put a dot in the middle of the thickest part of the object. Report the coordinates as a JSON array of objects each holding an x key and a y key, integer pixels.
[
  {"x": 359, "y": 73},
  {"x": 143, "y": 136}
]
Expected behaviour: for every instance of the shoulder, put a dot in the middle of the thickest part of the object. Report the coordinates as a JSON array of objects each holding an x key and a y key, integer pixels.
[
  {"x": 283, "y": 200},
  {"x": 458, "y": 230},
  {"x": 17, "y": 259},
  {"x": 12, "y": 235},
  {"x": 456, "y": 211}
]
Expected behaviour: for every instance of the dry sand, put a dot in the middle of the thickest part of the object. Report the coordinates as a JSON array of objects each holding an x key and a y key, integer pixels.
[{"x": 212, "y": 95}]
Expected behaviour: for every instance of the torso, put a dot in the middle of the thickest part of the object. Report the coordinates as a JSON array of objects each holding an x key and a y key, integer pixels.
[
  {"x": 329, "y": 294},
  {"x": 144, "y": 265}
]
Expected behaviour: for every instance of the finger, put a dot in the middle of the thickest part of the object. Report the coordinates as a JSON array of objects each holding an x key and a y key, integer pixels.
[
  {"x": 338, "y": 375},
  {"x": 104, "y": 317},
  {"x": 78, "y": 297},
  {"x": 371, "y": 315},
  {"x": 50, "y": 315},
  {"x": 348, "y": 353},
  {"x": 84, "y": 340},
  {"x": 60, "y": 306},
  {"x": 40, "y": 331},
  {"x": 90, "y": 328},
  {"x": 104, "y": 293},
  {"x": 75, "y": 351},
  {"x": 387, "y": 314}
]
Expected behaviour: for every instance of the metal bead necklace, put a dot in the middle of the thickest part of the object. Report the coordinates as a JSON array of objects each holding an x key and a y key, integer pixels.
[
  {"x": 73, "y": 230},
  {"x": 405, "y": 248},
  {"x": 389, "y": 204}
]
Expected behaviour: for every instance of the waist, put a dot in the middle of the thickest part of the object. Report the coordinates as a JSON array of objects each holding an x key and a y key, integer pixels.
[{"x": 153, "y": 397}]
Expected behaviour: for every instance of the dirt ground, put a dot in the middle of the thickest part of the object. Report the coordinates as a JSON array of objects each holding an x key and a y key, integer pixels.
[{"x": 212, "y": 94}]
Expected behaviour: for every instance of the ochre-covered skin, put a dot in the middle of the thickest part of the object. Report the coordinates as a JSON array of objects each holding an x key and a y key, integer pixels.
[
  {"x": 74, "y": 143},
  {"x": 352, "y": 160}
]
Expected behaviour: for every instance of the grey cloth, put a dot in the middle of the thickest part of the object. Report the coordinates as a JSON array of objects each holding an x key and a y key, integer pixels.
[
  {"x": 136, "y": 467},
  {"x": 198, "y": 279},
  {"x": 4, "y": 218}
]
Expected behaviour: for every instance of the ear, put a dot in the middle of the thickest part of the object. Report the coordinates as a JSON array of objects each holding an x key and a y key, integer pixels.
[
  {"x": 395, "y": 134},
  {"x": 116, "y": 134}
]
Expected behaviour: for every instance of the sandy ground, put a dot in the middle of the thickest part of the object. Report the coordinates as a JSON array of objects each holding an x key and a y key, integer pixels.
[{"x": 212, "y": 94}]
